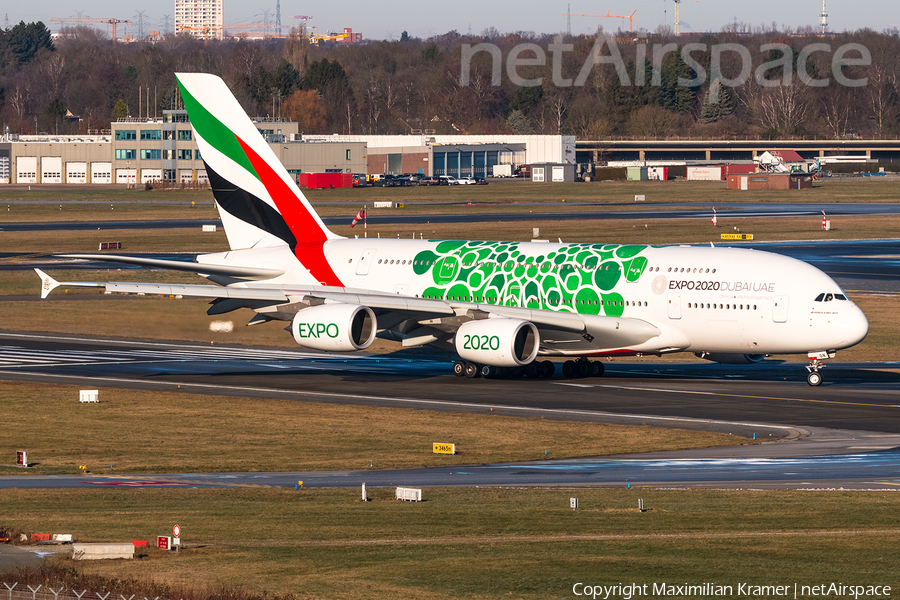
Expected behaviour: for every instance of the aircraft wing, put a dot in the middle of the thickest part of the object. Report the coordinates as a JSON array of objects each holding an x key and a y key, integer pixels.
[
  {"x": 561, "y": 331},
  {"x": 182, "y": 265}
]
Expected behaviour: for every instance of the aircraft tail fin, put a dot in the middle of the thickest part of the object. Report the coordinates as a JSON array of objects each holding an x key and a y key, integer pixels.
[
  {"x": 259, "y": 203},
  {"x": 48, "y": 284}
]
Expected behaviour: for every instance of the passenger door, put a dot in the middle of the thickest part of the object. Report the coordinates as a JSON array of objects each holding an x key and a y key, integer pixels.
[
  {"x": 362, "y": 267},
  {"x": 780, "y": 309},
  {"x": 674, "y": 305}
]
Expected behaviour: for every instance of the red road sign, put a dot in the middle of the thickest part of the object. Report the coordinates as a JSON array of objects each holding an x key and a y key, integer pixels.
[{"x": 176, "y": 531}]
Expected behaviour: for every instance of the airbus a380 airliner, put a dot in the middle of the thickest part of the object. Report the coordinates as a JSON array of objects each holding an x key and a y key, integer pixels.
[{"x": 499, "y": 305}]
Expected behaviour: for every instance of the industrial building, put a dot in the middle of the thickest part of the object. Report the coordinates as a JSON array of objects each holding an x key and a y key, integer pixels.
[
  {"x": 457, "y": 155},
  {"x": 137, "y": 151},
  {"x": 141, "y": 150}
]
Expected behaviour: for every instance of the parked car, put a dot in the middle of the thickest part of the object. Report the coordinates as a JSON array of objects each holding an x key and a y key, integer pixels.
[
  {"x": 466, "y": 181},
  {"x": 360, "y": 180},
  {"x": 430, "y": 181},
  {"x": 450, "y": 179},
  {"x": 481, "y": 181}
]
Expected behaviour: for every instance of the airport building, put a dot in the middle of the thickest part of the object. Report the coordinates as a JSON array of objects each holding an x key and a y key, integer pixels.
[
  {"x": 457, "y": 155},
  {"x": 138, "y": 151}
]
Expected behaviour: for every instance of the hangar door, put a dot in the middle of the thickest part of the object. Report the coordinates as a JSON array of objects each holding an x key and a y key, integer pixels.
[
  {"x": 51, "y": 169},
  {"x": 101, "y": 172},
  {"x": 76, "y": 172},
  {"x": 26, "y": 169}
]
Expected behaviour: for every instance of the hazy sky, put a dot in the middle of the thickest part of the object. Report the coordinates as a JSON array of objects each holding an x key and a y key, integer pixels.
[{"x": 387, "y": 19}]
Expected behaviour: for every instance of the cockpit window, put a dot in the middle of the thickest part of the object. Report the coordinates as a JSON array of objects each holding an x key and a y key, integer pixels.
[
  {"x": 840, "y": 297},
  {"x": 829, "y": 297},
  {"x": 820, "y": 297}
]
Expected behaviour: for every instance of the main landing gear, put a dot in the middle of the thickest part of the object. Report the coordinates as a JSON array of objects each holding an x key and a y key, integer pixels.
[
  {"x": 815, "y": 378},
  {"x": 535, "y": 370}
]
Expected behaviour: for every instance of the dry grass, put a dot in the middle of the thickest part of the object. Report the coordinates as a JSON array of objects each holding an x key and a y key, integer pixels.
[
  {"x": 42, "y": 203},
  {"x": 477, "y": 543},
  {"x": 211, "y": 433},
  {"x": 625, "y": 231}
]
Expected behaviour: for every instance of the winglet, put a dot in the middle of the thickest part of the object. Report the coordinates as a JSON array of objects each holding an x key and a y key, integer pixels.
[{"x": 48, "y": 284}]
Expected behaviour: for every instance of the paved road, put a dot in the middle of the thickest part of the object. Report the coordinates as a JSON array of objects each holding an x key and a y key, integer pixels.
[
  {"x": 843, "y": 434},
  {"x": 742, "y": 399},
  {"x": 655, "y": 211}
]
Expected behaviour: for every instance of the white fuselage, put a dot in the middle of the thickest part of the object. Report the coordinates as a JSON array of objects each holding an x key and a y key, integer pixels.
[{"x": 702, "y": 299}]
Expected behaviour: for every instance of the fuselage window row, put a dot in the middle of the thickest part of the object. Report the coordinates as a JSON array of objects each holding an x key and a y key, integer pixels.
[{"x": 718, "y": 306}]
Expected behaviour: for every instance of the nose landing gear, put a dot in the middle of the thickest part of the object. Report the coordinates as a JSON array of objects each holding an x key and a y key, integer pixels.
[{"x": 814, "y": 378}]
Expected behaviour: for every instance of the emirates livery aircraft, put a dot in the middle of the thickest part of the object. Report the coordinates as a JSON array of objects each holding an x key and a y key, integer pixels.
[{"x": 498, "y": 305}]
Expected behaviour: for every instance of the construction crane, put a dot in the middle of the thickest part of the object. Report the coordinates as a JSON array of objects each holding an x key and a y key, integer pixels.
[
  {"x": 206, "y": 29},
  {"x": 677, "y": 4},
  {"x": 112, "y": 22},
  {"x": 610, "y": 16}
]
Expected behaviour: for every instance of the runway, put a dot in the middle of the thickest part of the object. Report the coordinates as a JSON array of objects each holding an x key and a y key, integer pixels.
[
  {"x": 651, "y": 211},
  {"x": 843, "y": 434}
]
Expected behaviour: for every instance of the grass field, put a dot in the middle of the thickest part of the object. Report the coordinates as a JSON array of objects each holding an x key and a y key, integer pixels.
[
  {"x": 477, "y": 543},
  {"x": 219, "y": 433}
]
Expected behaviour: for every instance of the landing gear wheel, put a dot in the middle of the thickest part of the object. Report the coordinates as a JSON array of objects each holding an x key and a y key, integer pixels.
[
  {"x": 583, "y": 368},
  {"x": 814, "y": 378},
  {"x": 489, "y": 372},
  {"x": 569, "y": 369},
  {"x": 459, "y": 368},
  {"x": 533, "y": 370},
  {"x": 471, "y": 370},
  {"x": 547, "y": 369}
]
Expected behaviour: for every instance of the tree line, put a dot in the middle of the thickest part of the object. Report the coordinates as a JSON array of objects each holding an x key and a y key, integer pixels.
[{"x": 79, "y": 81}]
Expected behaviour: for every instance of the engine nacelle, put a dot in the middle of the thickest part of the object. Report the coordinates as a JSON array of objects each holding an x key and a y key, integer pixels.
[
  {"x": 498, "y": 342},
  {"x": 334, "y": 327},
  {"x": 731, "y": 359}
]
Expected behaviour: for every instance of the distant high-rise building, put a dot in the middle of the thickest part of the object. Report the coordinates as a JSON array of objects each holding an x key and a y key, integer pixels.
[{"x": 202, "y": 19}]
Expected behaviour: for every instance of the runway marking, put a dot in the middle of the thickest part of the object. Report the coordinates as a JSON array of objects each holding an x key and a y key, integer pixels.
[
  {"x": 722, "y": 394},
  {"x": 467, "y": 405}
]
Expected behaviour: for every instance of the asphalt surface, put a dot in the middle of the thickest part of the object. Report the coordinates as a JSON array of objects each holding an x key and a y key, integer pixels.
[
  {"x": 842, "y": 434},
  {"x": 657, "y": 211}
]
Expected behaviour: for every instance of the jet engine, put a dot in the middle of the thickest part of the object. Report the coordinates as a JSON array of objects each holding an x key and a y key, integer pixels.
[
  {"x": 334, "y": 327},
  {"x": 731, "y": 359},
  {"x": 498, "y": 342}
]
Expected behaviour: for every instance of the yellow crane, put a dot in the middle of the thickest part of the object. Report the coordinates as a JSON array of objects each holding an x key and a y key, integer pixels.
[
  {"x": 677, "y": 4},
  {"x": 609, "y": 16}
]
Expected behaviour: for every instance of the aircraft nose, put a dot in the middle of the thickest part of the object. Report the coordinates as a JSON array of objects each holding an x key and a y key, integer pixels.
[{"x": 854, "y": 326}]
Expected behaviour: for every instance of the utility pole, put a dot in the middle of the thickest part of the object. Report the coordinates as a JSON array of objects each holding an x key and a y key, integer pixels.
[
  {"x": 140, "y": 21},
  {"x": 278, "y": 18}
]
